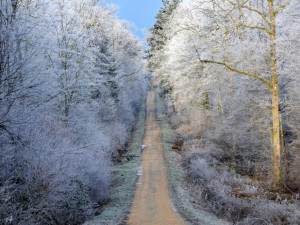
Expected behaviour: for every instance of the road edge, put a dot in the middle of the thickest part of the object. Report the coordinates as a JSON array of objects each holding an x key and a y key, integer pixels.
[
  {"x": 179, "y": 195},
  {"x": 125, "y": 177}
]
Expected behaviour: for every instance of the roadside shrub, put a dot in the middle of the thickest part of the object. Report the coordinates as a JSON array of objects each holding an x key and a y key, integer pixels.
[
  {"x": 57, "y": 179},
  {"x": 212, "y": 182}
]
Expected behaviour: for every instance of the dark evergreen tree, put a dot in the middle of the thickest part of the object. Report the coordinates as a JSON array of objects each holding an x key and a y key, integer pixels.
[
  {"x": 158, "y": 33},
  {"x": 158, "y": 38},
  {"x": 111, "y": 82}
]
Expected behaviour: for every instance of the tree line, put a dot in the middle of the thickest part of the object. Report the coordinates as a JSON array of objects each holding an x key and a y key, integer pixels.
[
  {"x": 71, "y": 85},
  {"x": 230, "y": 66}
]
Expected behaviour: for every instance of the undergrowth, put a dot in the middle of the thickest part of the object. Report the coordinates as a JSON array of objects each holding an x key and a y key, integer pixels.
[
  {"x": 180, "y": 195},
  {"x": 201, "y": 179},
  {"x": 125, "y": 176}
]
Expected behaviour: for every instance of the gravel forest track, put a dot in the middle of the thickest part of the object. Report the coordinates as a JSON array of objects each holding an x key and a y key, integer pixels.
[{"x": 152, "y": 204}]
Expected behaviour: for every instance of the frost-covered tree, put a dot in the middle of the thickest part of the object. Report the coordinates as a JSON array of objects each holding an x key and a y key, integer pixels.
[
  {"x": 255, "y": 20},
  {"x": 157, "y": 40},
  {"x": 227, "y": 56},
  {"x": 72, "y": 81}
]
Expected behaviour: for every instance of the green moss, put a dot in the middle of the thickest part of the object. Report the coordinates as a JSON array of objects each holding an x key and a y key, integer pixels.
[{"x": 125, "y": 176}]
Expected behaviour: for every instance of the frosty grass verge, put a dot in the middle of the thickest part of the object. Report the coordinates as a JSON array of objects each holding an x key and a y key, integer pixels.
[
  {"x": 179, "y": 194},
  {"x": 125, "y": 176}
]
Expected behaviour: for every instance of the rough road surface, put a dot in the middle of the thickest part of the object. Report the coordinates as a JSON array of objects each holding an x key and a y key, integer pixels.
[{"x": 151, "y": 204}]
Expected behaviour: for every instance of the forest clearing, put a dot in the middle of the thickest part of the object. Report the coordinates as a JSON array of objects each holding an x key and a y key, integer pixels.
[{"x": 197, "y": 123}]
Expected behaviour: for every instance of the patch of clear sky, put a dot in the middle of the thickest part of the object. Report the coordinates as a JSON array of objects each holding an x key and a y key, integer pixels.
[{"x": 139, "y": 12}]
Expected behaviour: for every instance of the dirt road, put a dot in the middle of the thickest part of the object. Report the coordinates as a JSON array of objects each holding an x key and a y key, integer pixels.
[{"x": 151, "y": 204}]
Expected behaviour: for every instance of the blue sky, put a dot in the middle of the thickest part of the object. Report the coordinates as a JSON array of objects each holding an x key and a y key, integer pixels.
[{"x": 140, "y": 12}]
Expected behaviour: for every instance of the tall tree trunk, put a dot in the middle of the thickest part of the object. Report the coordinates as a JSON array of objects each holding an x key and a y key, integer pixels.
[
  {"x": 284, "y": 150},
  {"x": 206, "y": 106},
  {"x": 275, "y": 99},
  {"x": 234, "y": 134}
]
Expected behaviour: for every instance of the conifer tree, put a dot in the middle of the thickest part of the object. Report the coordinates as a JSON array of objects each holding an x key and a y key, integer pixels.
[{"x": 158, "y": 38}]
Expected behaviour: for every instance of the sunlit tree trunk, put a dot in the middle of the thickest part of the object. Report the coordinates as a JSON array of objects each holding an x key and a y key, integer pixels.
[
  {"x": 275, "y": 98},
  {"x": 234, "y": 135},
  {"x": 206, "y": 106},
  {"x": 283, "y": 149}
]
